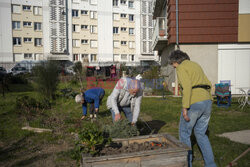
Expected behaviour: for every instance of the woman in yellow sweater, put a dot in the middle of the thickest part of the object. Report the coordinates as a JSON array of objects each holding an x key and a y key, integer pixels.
[{"x": 196, "y": 104}]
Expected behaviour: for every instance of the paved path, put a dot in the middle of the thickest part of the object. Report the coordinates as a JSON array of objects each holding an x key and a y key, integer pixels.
[{"x": 242, "y": 136}]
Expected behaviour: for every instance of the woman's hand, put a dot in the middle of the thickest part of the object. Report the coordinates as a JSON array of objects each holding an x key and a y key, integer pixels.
[{"x": 185, "y": 114}]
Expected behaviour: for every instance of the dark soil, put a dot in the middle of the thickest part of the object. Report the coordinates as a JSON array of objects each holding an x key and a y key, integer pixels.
[{"x": 117, "y": 148}]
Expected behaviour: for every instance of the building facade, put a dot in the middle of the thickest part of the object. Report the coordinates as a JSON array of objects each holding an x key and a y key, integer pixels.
[
  {"x": 95, "y": 32},
  {"x": 213, "y": 33}
]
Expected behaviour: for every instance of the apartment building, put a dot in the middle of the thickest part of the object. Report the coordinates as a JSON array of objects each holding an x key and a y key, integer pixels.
[
  {"x": 27, "y": 32},
  {"x": 21, "y": 30},
  {"x": 147, "y": 27},
  {"x": 213, "y": 33},
  {"x": 96, "y": 32}
]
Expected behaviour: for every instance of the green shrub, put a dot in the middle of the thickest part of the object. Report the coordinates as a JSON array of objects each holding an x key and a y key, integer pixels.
[
  {"x": 121, "y": 129},
  {"x": 80, "y": 72},
  {"x": 153, "y": 73},
  {"x": 30, "y": 106},
  {"x": 47, "y": 78},
  {"x": 18, "y": 79},
  {"x": 90, "y": 141},
  {"x": 68, "y": 93}
]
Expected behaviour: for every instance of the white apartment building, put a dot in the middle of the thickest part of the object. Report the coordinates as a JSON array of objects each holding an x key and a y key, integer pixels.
[{"x": 98, "y": 32}]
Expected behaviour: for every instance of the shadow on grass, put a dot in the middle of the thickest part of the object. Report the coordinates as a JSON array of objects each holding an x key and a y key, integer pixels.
[
  {"x": 9, "y": 152},
  {"x": 105, "y": 113},
  {"x": 31, "y": 160},
  {"x": 20, "y": 88},
  {"x": 150, "y": 127}
]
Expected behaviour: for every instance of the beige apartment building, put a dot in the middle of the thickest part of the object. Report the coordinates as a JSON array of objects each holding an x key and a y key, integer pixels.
[
  {"x": 27, "y": 31},
  {"x": 95, "y": 32},
  {"x": 84, "y": 35}
]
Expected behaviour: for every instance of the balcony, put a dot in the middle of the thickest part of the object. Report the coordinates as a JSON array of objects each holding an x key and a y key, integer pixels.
[{"x": 160, "y": 34}]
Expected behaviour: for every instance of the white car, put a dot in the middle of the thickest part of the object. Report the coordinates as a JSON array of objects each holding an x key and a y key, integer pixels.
[
  {"x": 18, "y": 70},
  {"x": 69, "y": 70}
]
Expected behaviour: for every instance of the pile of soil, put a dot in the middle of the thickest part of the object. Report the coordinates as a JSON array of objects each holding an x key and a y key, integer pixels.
[{"x": 117, "y": 148}]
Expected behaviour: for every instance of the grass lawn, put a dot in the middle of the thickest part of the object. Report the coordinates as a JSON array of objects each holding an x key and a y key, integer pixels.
[{"x": 23, "y": 148}]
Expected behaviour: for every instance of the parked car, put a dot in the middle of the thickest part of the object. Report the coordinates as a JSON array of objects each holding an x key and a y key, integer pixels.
[
  {"x": 18, "y": 70},
  {"x": 2, "y": 70},
  {"x": 70, "y": 70}
]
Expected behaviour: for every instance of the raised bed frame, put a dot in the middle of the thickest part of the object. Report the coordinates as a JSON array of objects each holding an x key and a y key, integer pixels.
[{"x": 173, "y": 156}]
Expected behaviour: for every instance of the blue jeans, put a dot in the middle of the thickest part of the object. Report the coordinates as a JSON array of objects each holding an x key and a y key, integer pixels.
[
  {"x": 127, "y": 112},
  {"x": 199, "y": 114}
]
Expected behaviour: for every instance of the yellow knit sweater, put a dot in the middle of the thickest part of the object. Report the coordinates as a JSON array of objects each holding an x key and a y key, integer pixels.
[{"x": 191, "y": 74}]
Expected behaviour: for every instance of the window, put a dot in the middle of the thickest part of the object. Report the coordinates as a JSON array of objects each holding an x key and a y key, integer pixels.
[
  {"x": 115, "y": 2},
  {"x": 93, "y": 14},
  {"x": 150, "y": 7},
  {"x": 150, "y": 33},
  {"x": 115, "y": 16},
  {"x": 123, "y": 29},
  {"x": 144, "y": 6},
  {"x": 38, "y": 41},
  {"x": 27, "y": 56},
  {"x": 26, "y": 24},
  {"x": 16, "y": 25},
  {"x": 150, "y": 46},
  {"x": 26, "y": 8},
  {"x": 84, "y": 26},
  {"x": 93, "y": 43},
  {"x": 27, "y": 39},
  {"x": 116, "y": 57},
  {"x": 18, "y": 56},
  {"x": 16, "y": 9},
  {"x": 75, "y": 1},
  {"x": 131, "y": 44},
  {"x": 131, "y": 4},
  {"x": 84, "y": 41},
  {"x": 93, "y": 29},
  {"x": 116, "y": 44},
  {"x": 131, "y": 17},
  {"x": 84, "y": 12},
  {"x": 75, "y": 57},
  {"x": 123, "y": 15},
  {"x": 85, "y": 57},
  {"x": 123, "y": 2},
  {"x": 131, "y": 31},
  {"x": 76, "y": 42},
  {"x": 150, "y": 20},
  {"x": 144, "y": 47},
  {"x": 132, "y": 57},
  {"x": 75, "y": 13},
  {"x": 76, "y": 28},
  {"x": 93, "y": 57},
  {"x": 37, "y": 26},
  {"x": 115, "y": 30},
  {"x": 144, "y": 20},
  {"x": 37, "y": 10},
  {"x": 123, "y": 42},
  {"x": 38, "y": 56},
  {"x": 93, "y": 2},
  {"x": 17, "y": 41},
  {"x": 123, "y": 57},
  {"x": 144, "y": 33}
]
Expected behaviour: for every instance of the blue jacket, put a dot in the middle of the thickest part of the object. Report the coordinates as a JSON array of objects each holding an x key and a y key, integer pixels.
[{"x": 92, "y": 96}]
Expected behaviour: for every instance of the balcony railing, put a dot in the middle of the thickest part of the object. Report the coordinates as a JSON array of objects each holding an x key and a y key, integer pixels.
[{"x": 160, "y": 31}]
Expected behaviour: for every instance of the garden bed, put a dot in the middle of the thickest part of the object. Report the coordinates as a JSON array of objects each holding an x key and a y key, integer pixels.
[{"x": 159, "y": 150}]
